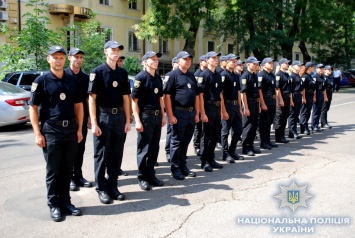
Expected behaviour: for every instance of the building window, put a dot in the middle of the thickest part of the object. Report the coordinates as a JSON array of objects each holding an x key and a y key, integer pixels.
[
  {"x": 297, "y": 56},
  {"x": 163, "y": 46},
  {"x": 133, "y": 5},
  {"x": 105, "y": 2},
  {"x": 133, "y": 42},
  {"x": 230, "y": 48},
  {"x": 210, "y": 46},
  {"x": 107, "y": 31}
]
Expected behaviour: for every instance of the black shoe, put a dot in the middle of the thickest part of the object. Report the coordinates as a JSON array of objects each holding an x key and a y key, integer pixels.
[
  {"x": 187, "y": 173},
  {"x": 73, "y": 186},
  {"x": 122, "y": 173},
  {"x": 167, "y": 157},
  {"x": 215, "y": 165},
  {"x": 206, "y": 167},
  {"x": 327, "y": 126},
  {"x": 198, "y": 152},
  {"x": 282, "y": 140},
  {"x": 265, "y": 146},
  {"x": 256, "y": 151},
  {"x": 104, "y": 197},
  {"x": 237, "y": 157},
  {"x": 116, "y": 195},
  {"x": 56, "y": 214},
  {"x": 290, "y": 135},
  {"x": 272, "y": 144},
  {"x": 297, "y": 136},
  {"x": 219, "y": 146},
  {"x": 175, "y": 172},
  {"x": 248, "y": 152},
  {"x": 144, "y": 185},
  {"x": 307, "y": 132},
  {"x": 157, "y": 164},
  {"x": 228, "y": 158},
  {"x": 156, "y": 182},
  {"x": 316, "y": 129},
  {"x": 72, "y": 210},
  {"x": 84, "y": 183}
]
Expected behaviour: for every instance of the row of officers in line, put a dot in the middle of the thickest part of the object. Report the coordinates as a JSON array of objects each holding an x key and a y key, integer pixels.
[{"x": 207, "y": 104}]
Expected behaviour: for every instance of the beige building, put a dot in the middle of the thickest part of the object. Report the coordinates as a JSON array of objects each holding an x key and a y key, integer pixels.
[{"x": 119, "y": 16}]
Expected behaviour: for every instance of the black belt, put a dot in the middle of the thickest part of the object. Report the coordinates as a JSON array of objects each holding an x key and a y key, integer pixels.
[
  {"x": 63, "y": 123},
  {"x": 151, "y": 112},
  {"x": 310, "y": 90},
  {"x": 216, "y": 103},
  {"x": 254, "y": 99},
  {"x": 322, "y": 92},
  {"x": 234, "y": 102},
  {"x": 270, "y": 96},
  {"x": 188, "y": 109},
  {"x": 286, "y": 94},
  {"x": 297, "y": 92},
  {"x": 111, "y": 110}
]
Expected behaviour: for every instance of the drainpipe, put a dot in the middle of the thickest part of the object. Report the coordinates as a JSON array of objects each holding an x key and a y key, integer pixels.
[{"x": 19, "y": 15}]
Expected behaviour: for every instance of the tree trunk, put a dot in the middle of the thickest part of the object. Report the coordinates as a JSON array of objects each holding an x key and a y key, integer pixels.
[
  {"x": 251, "y": 27},
  {"x": 303, "y": 48},
  {"x": 190, "y": 41}
]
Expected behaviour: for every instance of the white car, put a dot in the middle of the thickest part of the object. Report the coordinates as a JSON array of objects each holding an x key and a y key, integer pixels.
[{"x": 13, "y": 105}]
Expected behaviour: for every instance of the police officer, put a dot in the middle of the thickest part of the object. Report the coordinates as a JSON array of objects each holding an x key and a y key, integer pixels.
[
  {"x": 268, "y": 92},
  {"x": 249, "y": 88},
  {"x": 231, "y": 95},
  {"x": 148, "y": 111},
  {"x": 222, "y": 64},
  {"x": 329, "y": 87},
  {"x": 61, "y": 113},
  {"x": 239, "y": 67},
  {"x": 182, "y": 107},
  {"x": 211, "y": 108},
  {"x": 298, "y": 97},
  {"x": 282, "y": 113},
  {"x": 110, "y": 118},
  {"x": 321, "y": 97},
  {"x": 175, "y": 65},
  {"x": 198, "y": 126},
  {"x": 309, "y": 87},
  {"x": 76, "y": 57},
  {"x": 120, "y": 61}
]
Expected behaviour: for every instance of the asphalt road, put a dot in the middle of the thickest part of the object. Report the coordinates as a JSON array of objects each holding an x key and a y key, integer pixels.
[{"x": 236, "y": 201}]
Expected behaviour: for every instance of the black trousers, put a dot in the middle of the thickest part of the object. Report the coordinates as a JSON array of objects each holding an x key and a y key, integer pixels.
[
  {"x": 181, "y": 136},
  {"x": 168, "y": 138},
  {"x": 281, "y": 116},
  {"x": 266, "y": 119},
  {"x": 79, "y": 158},
  {"x": 250, "y": 124},
  {"x": 197, "y": 135},
  {"x": 325, "y": 108},
  {"x": 234, "y": 122},
  {"x": 148, "y": 145},
  {"x": 108, "y": 150},
  {"x": 336, "y": 84},
  {"x": 317, "y": 108},
  {"x": 305, "y": 113},
  {"x": 294, "y": 113},
  {"x": 61, "y": 144},
  {"x": 210, "y": 132}
]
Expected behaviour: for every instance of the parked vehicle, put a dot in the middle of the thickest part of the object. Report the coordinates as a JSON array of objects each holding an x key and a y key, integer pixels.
[
  {"x": 344, "y": 81},
  {"x": 350, "y": 77},
  {"x": 13, "y": 105},
  {"x": 23, "y": 79}
]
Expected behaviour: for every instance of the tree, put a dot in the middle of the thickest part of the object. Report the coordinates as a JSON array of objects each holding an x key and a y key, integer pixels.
[{"x": 132, "y": 65}]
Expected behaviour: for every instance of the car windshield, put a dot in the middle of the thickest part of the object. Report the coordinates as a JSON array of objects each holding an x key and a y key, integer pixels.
[
  {"x": 6, "y": 89},
  {"x": 348, "y": 75}
]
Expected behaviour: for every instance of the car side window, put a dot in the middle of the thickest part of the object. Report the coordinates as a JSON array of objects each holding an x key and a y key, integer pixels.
[
  {"x": 14, "y": 78},
  {"x": 27, "y": 79}
]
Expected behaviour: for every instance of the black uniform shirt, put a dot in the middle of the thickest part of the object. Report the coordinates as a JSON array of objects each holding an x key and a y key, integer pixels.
[
  {"x": 148, "y": 90},
  {"x": 109, "y": 85},
  {"x": 210, "y": 85},
  {"x": 182, "y": 89},
  {"x": 328, "y": 82},
  {"x": 231, "y": 85},
  {"x": 84, "y": 84},
  {"x": 268, "y": 83},
  {"x": 56, "y": 96},
  {"x": 249, "y": 84},
  {"x": 285, "y": 82},
  {"x": 198, "y": 72},
  {"x": 297, "y": 83},
  {"x": 166, "y": 79},
  {"x": 308, "y": 82},
  {"x": 320, "y": 83}
]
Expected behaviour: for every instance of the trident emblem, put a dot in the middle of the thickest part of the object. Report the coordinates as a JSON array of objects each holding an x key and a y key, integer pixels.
[{"x": 293, "y": 196}]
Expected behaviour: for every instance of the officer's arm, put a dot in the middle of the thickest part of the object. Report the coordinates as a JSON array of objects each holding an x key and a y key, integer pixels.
[
  {"x": 79, "y": 116},
  {"x": 202, "y": 104},
  {"x": 92, "y": 108},
  {"x": 279, "y": 98},
  {"x": 127, "y": 108},
  {"x": 262, "y": 102},
  {"x": 163, "y": 119},
  {"x": 40, "y": 141},
  {"x": 197, "y": 105},
  {"x": 169, "y": 109},
  {"x": 224, "y": 113},
  {"x": 240, "y": 99},
  {"x": 245, "y": 103}
]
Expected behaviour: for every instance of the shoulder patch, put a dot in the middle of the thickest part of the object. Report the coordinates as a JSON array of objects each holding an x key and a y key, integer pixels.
[
  {"x": 34, "y": 87},
  {"x": 244, "y": 81},
  {"x": 166, "y": 78},
  {"x": 92, "y": 76},
  {"x": 314, "y": 79},
  {"x": 303, "y": 79},
  {"x": 200, "y": 80},
  {"x": 260, "y": 79},
  {"x": 223, "y": 78},
  {"x": 277, "y": 78},
  {"x": 137, "y": 84}
]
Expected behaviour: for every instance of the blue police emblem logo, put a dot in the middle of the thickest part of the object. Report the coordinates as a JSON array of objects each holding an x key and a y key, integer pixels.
[{"x": 293, "y": 196}]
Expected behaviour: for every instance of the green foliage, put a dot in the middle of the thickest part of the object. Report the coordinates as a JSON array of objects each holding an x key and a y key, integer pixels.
[{"x": 132, "y": 65}]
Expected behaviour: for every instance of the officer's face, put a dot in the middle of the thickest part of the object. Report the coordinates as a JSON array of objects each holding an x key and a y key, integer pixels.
[
  {"x": 213, "y": 61},
  {"x": 240, "y": 67},
  {"x": 185, "y": 64},
  {"x": 152, "y": 62},
  {"x": 112, "y": 53},
  {"x": 296, "y": 69},
  {"x": 175, "y": 65},
  {"x": 320, "y": 71},
  {"x": 203, "y": 63},
  {"x": 269, "y": 66},
  {"x": 56, "y": 61},
  {"x": 285, "y": 66},
  {"x": 120, "y": 62},
  {"x": 327, "y": 71},
  {"x": 253, "y": 67},
  {"x": 223, "y": 64},
  {"x": 231, "y": 64},
  {"x": 76, "y": 60}
]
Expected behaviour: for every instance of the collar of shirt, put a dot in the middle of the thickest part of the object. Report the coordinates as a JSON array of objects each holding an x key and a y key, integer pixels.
[{"x": 52, "y": 76}]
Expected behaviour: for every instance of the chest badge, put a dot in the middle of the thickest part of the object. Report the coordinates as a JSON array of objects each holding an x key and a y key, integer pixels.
[
  {"x": 92, "y": 76},
  {"x": 260, "y": 79},
  {"x": 34, "y": 87},
  {"x": 254, "y": 85},
  {"x": 200, "y": 80},
  {"x": 62, "y": 96},
  {"x": 114, "y": 84},
  {"x": 216, "y": 85},
  {"x": 189, "y": 85},
  {"x": 156, "y": 90},
  {"x": 235, "y": 83},
  {"x": 272, "y": 82},
  {"x": 137, "y": 84},
  {"x": 303, "y": 79},
  {"x": 223, "y": 78}
]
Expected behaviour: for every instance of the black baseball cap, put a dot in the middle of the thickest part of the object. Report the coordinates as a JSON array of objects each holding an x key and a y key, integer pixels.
[
  {"x": 328, "y": 67},
  {"x": 202, "y": 58},
  {"x": 320, "y": 65},
  {"x": 283, "y": 60},
  {"x": 240, "y": 62},
  {"x": 113, "y": 44},
  {"x": 122, "y": 57},
  {"x": 74, "y": 51},
  {"x": 252, "y": 59},
  {"x": 150, "y": 54},
  {"x": 222, "y": 58},
  {"x": 55, "y": 49},
  {"x": 231, "y": 57},
  {"x": 296, "y": 62},
  {"x": 309, "y": 64},
  {"x": 267, "y": 60},
  {"x": 183, "y": 55},
  {"x": 174, "y": 60},
  {"x": 212, "y": 54}
]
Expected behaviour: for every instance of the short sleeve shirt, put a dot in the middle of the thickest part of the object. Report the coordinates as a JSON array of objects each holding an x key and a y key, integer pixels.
[
  {"x": 297, "y": 83},
  {"x": 231, "y": 85},
  {"x": 268, "y": 83},
  {"x": 309, "y": 83},
  {"x": 285, "y": 82},
  {"x": 320, "y": 83},
  {"x": 210, "y": 84},
  {"x": 249, "y": 84}
]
